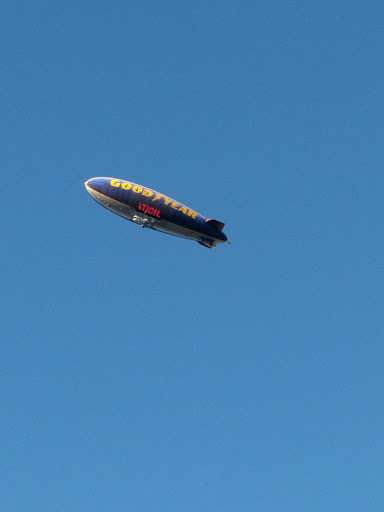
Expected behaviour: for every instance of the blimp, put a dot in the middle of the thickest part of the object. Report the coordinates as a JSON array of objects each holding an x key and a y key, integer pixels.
[{"x": 151, "y": 209}]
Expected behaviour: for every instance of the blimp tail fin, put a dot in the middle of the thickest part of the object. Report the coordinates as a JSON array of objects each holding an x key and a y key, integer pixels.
[
  {"x": 208, "y": 243},
  {"x": 216, "y": 224}
]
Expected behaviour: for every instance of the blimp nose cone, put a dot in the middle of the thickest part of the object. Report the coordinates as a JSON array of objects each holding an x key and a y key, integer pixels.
[
  {"x": 91, "y": 183},
  {"x": 94, "y": 187},
  {"x": 88, "y": 184},
  {"x": 96, "y": 184}
]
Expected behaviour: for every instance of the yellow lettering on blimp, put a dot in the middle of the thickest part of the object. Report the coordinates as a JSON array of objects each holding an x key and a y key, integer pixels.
[
  {"x": 148, "y": 193},
  {"x": 192, "y": 214}
]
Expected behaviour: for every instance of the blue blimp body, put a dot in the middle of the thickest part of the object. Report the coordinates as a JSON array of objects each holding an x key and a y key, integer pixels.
[{"x": 151, "y": 209}]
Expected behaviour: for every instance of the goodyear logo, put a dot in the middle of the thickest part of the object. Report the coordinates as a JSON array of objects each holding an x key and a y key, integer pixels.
[{"x": 126, "y": 185}]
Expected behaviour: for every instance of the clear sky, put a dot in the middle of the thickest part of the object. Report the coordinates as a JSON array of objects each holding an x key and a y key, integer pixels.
[{"x": 144, "y": 372}]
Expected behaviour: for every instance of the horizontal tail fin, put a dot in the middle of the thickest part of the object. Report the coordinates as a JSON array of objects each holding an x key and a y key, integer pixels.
[
  {"x": 207, "y": 243},
  {"x": 216, "y": 224}
]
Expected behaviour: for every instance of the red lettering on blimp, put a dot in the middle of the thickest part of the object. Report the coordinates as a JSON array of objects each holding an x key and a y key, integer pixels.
[{"x": 149, "y": 209}]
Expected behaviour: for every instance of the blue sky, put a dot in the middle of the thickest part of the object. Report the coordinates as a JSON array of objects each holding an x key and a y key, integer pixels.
[{"x": 144, "y": 372}]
